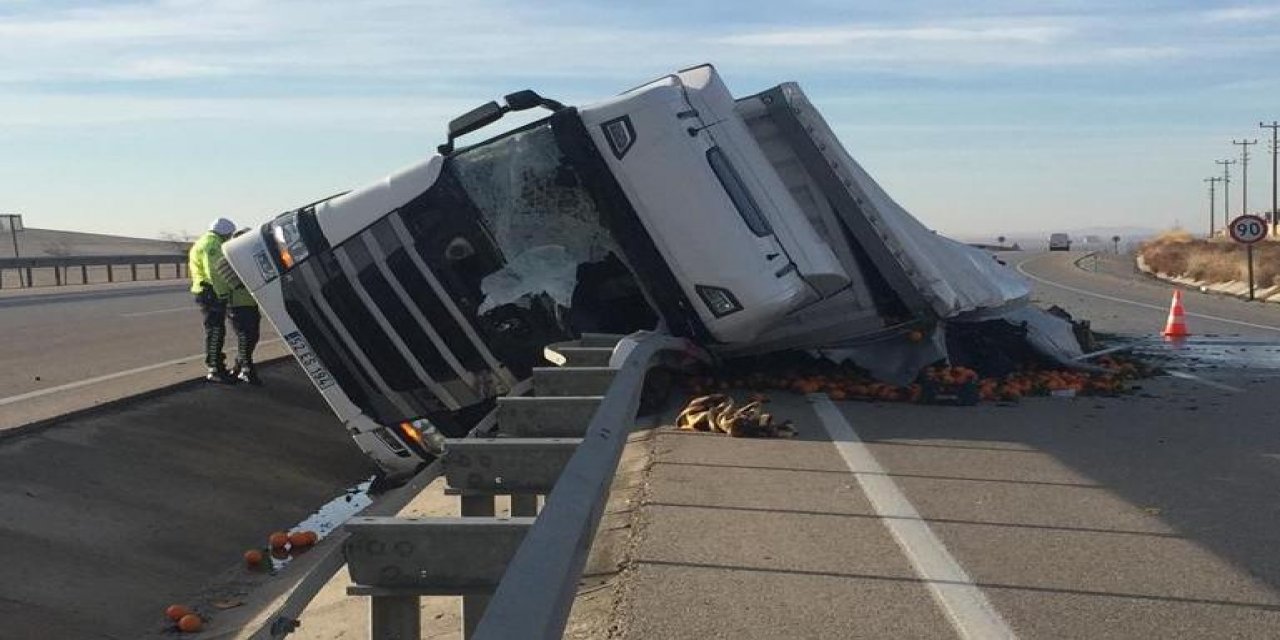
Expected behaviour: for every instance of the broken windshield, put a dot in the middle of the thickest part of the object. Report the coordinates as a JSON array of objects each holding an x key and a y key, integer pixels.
[{"x": 540, "y": 216}]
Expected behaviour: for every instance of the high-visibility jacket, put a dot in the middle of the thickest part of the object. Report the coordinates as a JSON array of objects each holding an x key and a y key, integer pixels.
[
  {"x": 205, "y": 253},
  {"x": 240, "y": 297}
]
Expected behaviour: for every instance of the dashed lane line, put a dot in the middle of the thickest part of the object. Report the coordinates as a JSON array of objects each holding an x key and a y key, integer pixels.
[{"x": 967, "y": 608}]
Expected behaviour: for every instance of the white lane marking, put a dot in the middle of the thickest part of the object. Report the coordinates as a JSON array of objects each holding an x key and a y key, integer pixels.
[
  {"x": 1205, "y": 381},
  {"x": 964, "y": 603},
  {"x": 1137, "y": 304},
  {"x": 110, "y": 376},
  {"x": 151, "y": 313}
]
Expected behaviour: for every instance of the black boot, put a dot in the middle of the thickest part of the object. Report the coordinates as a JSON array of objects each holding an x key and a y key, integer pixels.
[
  {"x": 245, "y": 372},
  {"x": 219, "y": 375}
]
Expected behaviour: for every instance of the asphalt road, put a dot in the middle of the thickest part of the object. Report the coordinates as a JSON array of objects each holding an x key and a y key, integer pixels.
[
  {"x": 1152, "y": 515},
  {"x": 56, "y": 338},
  {"x": 59, "y": 345},
  {"x": 110, "y": 517},
  {"x": 1117, "y": 299}
]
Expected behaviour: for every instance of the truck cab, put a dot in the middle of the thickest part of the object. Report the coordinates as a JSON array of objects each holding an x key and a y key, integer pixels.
[{"x": 415, "y": 301}]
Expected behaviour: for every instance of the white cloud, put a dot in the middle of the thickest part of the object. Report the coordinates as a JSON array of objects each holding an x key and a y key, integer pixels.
[
  {"x": 39, "y": 110},
  {"x": 853, "y": 35},
  {"x": 165, "y": 69},
  {"x": 1243, "y": 14}
]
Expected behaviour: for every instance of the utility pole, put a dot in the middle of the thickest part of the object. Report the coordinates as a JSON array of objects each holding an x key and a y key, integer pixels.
[
  {"x": 1226, "y": 187},
  {"x": 1213, "y": 182},
  {"x": 1244, "y": 173},
  {"x": 1275, "y": 147}
]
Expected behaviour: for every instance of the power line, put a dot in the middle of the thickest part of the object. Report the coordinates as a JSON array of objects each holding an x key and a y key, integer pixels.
[
  {"x": 1213, "y": 182},
  {"x": 1275, "y": 147},
  {"x": 1244, "y": 173},
  {"x": 1226, "y": 186}
]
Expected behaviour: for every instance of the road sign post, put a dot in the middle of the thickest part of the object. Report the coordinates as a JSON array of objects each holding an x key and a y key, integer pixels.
[{"x": 1246, "y": 230}]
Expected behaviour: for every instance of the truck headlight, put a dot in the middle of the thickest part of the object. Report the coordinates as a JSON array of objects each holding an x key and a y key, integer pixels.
[
  {"x": 423, "y": 434},
  {"x": 721, "y": 302},
  {"x": 290, "y": 246}
]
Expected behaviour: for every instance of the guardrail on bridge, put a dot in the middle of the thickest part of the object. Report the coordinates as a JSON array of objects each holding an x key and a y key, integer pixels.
[{"x": 62, "y": 270}]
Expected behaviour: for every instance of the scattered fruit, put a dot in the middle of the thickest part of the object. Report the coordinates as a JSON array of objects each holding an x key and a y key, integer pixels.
[
  {"x": 253, "y": 557},
  {"x": 304, "y": 538},
  {"x": 941, "y": 383},
  {"x": 175, "y": 612},
  {"x": 278, "y": 540},
  {"x": 190, "y": 623}
]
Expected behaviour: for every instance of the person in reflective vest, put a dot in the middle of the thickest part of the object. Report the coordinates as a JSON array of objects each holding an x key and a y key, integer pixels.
[{"x": 212, "y": 293}]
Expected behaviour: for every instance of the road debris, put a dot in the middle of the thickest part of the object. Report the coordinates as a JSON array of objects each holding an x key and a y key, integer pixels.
[
  {"x": 939, "y": 384},
  {"x": 718, "y": 413}
]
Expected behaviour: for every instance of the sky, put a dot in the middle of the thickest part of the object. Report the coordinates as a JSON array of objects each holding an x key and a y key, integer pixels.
[{"x": 981, "y": 118}]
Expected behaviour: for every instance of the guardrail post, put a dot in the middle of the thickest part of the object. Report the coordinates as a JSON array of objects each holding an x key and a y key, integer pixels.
[
  {"x": 111, "y": 276},
  {"x": 395, "y": 618},
  {"x": 473, "y": 606},
  {"x": 524, "y": 505},
  {"x": 57, "y": 276},
  {"x": 84, "y": 274},
  {"x": 30, "y": 282},
  {"x": 157, "y": 266},
  {"x": 133, "y": 271}
]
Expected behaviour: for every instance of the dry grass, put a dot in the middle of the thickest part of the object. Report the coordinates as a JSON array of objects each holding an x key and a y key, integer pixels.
[{"x": 1219, "y": 260}]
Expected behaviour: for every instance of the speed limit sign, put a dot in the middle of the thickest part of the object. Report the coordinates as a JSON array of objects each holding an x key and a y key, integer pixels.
[{"x": 1248, "y": 229}]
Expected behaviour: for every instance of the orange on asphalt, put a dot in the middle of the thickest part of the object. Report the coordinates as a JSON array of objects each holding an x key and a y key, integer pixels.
[
  {"x": 190, "y": 623},
  {"x": 175, "y": 611},
  {"x": 253, "y": 557},
  {"x": 278, "y": 539}
]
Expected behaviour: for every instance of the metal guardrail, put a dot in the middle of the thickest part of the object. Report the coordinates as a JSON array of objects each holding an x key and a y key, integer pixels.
[
  {"x": 537, "y": 591},
  {"x": 518, "y": 576},
  {"x": 62, "y": 267}
]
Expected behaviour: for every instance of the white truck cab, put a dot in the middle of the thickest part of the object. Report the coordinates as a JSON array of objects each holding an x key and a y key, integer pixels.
[{"x": 413, "y": 302}]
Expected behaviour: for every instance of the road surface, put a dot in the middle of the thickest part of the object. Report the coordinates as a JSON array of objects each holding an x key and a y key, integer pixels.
[
  {"x": 67, "y": 350},
  {"x": 1146, "y": 516},
  {"x": 1149, "y": 515}
]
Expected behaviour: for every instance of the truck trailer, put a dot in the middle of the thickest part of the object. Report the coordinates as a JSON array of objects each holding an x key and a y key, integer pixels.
[{"x": 741, "y": 224}]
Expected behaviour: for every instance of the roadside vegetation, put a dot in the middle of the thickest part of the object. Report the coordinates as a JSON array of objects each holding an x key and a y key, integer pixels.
[{"x": 1220, "y": 260}]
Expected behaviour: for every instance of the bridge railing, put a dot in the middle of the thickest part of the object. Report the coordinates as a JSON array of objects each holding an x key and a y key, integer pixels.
[{"x": 66, "y": 270}]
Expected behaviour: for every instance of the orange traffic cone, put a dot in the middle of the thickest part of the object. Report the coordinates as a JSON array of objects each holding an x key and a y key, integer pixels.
[{"x": 1176, "y": 327}]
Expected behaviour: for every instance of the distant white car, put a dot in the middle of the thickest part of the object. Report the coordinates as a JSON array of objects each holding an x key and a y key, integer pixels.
[{"x": 1059, "y": 242}]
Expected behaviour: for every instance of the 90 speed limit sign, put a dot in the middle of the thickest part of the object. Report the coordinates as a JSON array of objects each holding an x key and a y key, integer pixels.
[{"x": 1247, "y": 229}]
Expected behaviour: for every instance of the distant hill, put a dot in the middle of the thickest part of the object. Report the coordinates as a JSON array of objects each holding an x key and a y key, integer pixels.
[{"x": 50, "y": 242}]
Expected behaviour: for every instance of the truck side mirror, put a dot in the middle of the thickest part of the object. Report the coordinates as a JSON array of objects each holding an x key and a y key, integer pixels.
[
  {"x": 477, "y": 118},
  {"x": 528, "y": 99}
]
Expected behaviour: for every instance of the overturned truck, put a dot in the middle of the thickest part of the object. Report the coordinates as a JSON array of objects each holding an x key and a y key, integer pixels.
[{"x": 742, "y": 224}]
